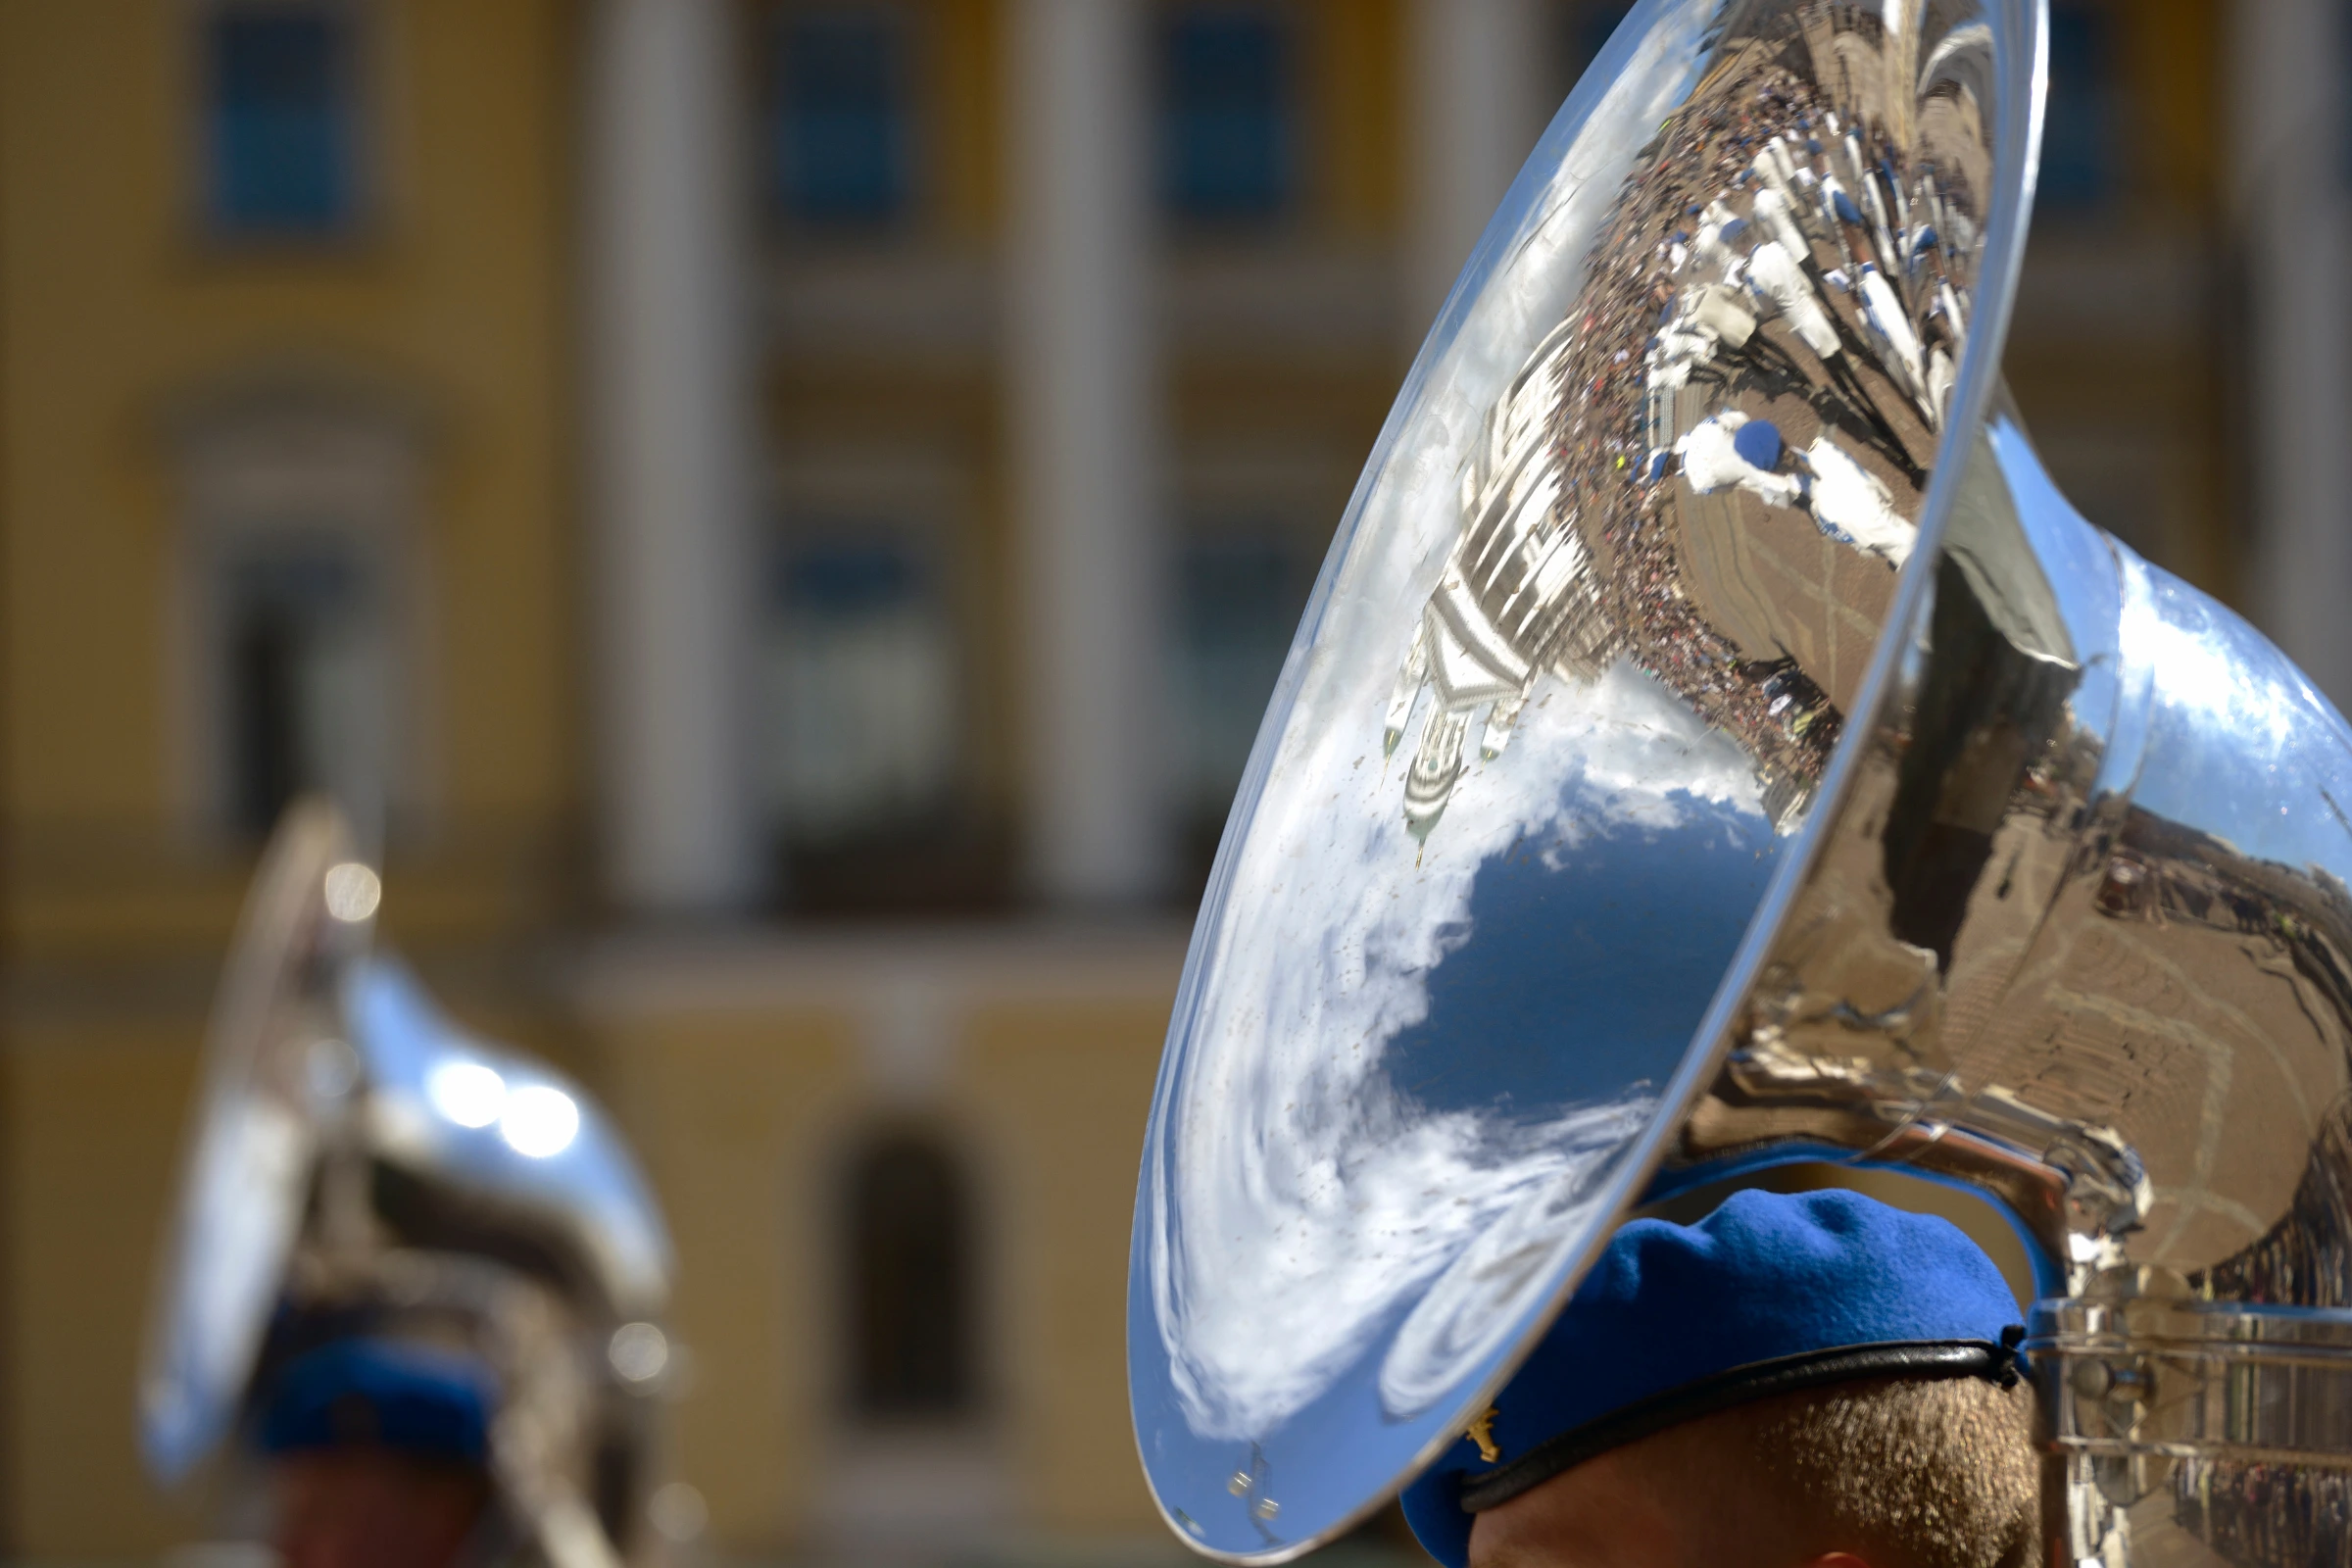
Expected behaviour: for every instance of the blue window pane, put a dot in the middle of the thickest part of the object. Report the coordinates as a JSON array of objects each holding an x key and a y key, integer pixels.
[
  {"x": 281, "y": 122},
  {"x": 848, "y": 581},
  {"x": 2078, "y": 135},
  {"x": 1238, "y": 599},
  {"x": 857, "y": 675},
  {"x": 840, "y": 140},
  {"x": 1228, "y": 137}
]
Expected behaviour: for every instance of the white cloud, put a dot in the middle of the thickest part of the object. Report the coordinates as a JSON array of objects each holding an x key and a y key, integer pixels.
[{"x": 1314, "y": 1201}]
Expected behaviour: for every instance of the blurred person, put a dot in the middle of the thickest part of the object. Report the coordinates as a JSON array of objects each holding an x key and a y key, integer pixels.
[
  {"x": 1806, "y": 1381},
  {"x": 378, "y": 1457},
  {"x": 419, "y": 1276}
]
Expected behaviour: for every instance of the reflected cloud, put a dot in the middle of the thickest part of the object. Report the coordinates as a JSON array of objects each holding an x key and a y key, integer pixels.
[
  {"x": 1469, "y": 1312},
  {"x": 1317, "y": 1166}
]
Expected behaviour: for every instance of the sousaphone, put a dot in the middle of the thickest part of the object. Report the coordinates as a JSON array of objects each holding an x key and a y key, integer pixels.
[
  {"x": 357, "y": 1164},
  {"x": 1714, "y": 743}
]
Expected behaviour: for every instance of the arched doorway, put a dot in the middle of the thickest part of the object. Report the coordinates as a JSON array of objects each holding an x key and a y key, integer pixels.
[{"x": 909, "y": 1281}]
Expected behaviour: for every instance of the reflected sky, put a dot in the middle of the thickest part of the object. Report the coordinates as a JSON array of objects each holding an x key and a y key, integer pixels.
[
  {"x": 1366, "y": 1077},
  {"x": 1573, "y": 936}
]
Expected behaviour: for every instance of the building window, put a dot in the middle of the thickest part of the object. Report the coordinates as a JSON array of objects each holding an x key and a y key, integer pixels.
[
  {"x": 1238, "y": 595},
  {"x": 282, "y": 115},
  {"x": 910, "y": 1309},
  {"x": 302, "y": 693},
  {"x": 858, "y": 671},
  {"x": 839, "y": 133},
  {"x": 1229, "y": 111},
  {"x": 295, "y": 585},
  {"x": 2079, "y": 143}
]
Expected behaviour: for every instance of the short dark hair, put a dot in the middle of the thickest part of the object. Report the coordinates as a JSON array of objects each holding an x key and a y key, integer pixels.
[{"x": 1914, "y": 1473}]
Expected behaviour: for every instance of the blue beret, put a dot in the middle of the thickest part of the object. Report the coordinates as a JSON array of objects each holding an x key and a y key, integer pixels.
[
  {"x": 1769, "y": 1293},
  {"x": 1759, "y": 442},
  {"x": 384, "y": 1394}
]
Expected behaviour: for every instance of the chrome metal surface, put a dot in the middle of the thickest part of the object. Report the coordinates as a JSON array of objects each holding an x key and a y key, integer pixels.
[
  {"x": 510, "y": 1134},
  {"x": 2164, "y": 1378},
  {"x": 1714, "y": 741},
  {"x": 2191, "y": 1431},
  {"x": 247, "y": 1167},
  {"x": 359, "y": 1161}
]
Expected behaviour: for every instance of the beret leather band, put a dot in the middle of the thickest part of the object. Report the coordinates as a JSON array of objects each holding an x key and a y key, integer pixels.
[{"x": 1740, "y": 1384}]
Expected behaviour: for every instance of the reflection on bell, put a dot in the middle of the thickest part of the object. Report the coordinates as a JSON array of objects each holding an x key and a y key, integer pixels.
[
  {"x": 639, "y": 1351},
  {"x": 1716, "y": 742},
  {"x": 539, "y": 1121},
  {"x": 364, "y": 1177},
  {"x": 467, "y": 1092},
  {"x": 353, "y": 891}
]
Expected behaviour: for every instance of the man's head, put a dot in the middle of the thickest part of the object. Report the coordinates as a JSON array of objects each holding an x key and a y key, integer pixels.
[
  {"x": 374, "y": 1507},
  {"x": 1892, "y": 1473},
  {"x": 1793, "y": 1380},
  {"x": 379, "y": 1454}
]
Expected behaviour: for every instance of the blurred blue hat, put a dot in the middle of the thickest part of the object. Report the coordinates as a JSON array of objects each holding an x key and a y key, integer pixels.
[
  {"x": 376, "y": 1393},
  {"x": 1770, "y": 1293}
]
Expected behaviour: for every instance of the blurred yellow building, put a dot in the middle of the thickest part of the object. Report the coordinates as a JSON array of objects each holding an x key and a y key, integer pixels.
[{"x": 779, "y": 517}]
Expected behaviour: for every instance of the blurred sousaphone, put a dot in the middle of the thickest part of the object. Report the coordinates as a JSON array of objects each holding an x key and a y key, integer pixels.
[
  {"x": 358, "y": 1164},
  {"x": 1714, "y": 743}
]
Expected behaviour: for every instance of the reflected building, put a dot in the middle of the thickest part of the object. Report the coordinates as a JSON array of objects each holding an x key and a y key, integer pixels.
[
  {"x": 1517, "y": 601},
  {"x": 1713, "y": 470}
]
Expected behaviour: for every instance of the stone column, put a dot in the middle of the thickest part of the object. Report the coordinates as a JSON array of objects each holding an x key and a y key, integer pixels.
[
  {"x": 1476, "y": 87},
  {"x": 1086, "y": 484},
  {"x": 2292, "y": 183},
  {"x": 669, "y": 457}
]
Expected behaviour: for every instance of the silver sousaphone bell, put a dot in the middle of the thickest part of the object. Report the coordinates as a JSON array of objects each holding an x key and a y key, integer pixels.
[
  {"x": 357, "y": 1159},
  {"x": 1715, "y": 743}
]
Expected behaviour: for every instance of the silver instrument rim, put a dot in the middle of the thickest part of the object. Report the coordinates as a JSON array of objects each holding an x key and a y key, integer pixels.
[{"x": 2020, "y": 52}]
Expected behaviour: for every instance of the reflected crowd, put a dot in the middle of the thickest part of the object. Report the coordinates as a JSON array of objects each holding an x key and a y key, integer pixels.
[{"x": 1767, "y": 336}]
